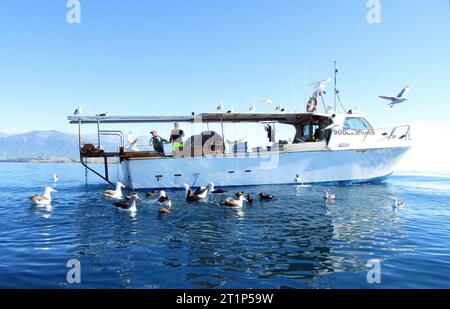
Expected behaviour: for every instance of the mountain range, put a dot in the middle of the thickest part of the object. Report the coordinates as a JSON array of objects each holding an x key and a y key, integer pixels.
[{"x": 41, "y": 145}]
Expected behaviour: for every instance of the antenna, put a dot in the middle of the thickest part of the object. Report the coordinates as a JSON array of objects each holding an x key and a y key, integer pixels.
[{"x": 335, "y": 78}]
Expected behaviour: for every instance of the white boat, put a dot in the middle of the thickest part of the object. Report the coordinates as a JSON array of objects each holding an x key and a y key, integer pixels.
[{"x": 327, "y": 148}]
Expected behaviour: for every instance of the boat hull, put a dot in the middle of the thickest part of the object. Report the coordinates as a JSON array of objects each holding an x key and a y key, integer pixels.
[{"x": 313, "y": 167}]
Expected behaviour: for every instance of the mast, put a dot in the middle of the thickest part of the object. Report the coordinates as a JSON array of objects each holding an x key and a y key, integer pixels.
[{"x": 335, "y": 90}]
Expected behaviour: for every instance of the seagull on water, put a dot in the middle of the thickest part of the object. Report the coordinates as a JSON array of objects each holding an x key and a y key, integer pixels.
[
  {"x": 166, "y": 202},
  {"x": 213, "y": 190},
  {"x": 44, "y": 199},
  {"x": 115, "y": 194},
  {"x": 265, "y": 197},
  {"x": 55, "y": 178},
  {"x": 78, "y": 111},
  {"x": 329, "y": 196},
  {"x": 300, "y": 182},
  {"x": 199, "y": 194},
  {"x": 397, "y": 204},
  {"x": 231, "y": 202},
  {"x": 129, "y": 207}
]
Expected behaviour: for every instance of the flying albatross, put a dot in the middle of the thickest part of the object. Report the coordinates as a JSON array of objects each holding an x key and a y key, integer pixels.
[{"x": 400, "y": 98}]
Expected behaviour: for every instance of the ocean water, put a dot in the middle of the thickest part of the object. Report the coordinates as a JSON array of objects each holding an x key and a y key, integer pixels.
[{"x": 295, "y": 241}]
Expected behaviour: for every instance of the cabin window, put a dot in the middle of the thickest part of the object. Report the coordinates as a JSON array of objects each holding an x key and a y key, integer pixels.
[
  {"x": 357, "y": 123},
  {"x": 305, "y": 131}
]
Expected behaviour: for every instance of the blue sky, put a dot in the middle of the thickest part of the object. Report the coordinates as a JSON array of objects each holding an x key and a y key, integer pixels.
[{"x": 158, "y": 57}]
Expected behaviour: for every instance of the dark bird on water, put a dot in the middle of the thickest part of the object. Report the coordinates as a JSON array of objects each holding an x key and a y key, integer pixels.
[{"x": 265, "y": 197}]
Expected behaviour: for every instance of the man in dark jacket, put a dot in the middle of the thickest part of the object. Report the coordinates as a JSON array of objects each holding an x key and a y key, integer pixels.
[{"x": 157, "y": 142}]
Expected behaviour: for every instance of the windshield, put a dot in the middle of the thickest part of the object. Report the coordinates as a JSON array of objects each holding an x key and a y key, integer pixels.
[{"x": 357, "y": 123}]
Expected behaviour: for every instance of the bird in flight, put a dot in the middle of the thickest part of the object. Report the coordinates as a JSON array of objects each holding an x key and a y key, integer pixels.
[
  {"x": 400, "y": 98},
  {"x": 78, "y": 111}
]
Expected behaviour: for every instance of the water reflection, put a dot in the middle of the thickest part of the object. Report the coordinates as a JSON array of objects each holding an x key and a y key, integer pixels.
[{"x": 298, "y": 236}]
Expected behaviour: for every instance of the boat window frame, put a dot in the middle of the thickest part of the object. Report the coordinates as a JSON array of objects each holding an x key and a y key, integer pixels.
[{"x": 367, "y": 125}]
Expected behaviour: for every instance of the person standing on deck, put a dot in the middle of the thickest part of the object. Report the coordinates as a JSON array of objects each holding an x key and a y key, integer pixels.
[
  {"x": 157, "y": 142},
  {"x": 176, "y": 138}
]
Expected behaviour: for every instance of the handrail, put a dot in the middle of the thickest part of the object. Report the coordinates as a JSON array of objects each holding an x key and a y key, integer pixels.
[
  {"x": 113, "y": 133},
  {"x": 407, "y": 133},
  {"x": 393, "y": 130}
]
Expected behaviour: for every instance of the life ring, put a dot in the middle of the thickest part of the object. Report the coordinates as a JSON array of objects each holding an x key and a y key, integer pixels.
[{"x": 311, "y": 107}]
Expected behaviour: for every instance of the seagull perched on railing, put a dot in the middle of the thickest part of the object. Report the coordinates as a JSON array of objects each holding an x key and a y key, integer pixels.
[
  {"x": 220, "y": 107},
  {"x": 231, "y": 110},
  {"x": 102, "y": 115},
  {"x": 280, "y": 108},
  {"x": 400, "y": 98},
  {"x": 252, "y": 108},
  {"x": 78, "y": 111}
]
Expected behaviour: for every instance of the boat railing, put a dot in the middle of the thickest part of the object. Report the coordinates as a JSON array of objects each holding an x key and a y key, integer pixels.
[
  {"x": 111, "y": 133},
  {"x": 405, "y": 134}
]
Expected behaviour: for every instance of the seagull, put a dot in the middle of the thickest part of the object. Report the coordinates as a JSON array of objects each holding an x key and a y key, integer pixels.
[
  {"x": 319, "y": 87},
  {"x": 220, "y": 107},
  {"x": 249, "y": 199},
  {"x": 199, "y": 194},
  {"x": 280, "y": 108},
  {"x": 115, "y": 194},
  {"x": 231, "y": 110},
  {"x": 231, "y": 202},
  {"x": 265, "y": 197},
  {"x": 55, "y": 178},
  {"x": 132, "y": 142},
  {"x": 400, "y": 98},
  {"x": 151, "y": 193},
  {"x": 164, "y": 211},
  {"x": 130, "y": 197},
  {"x": 252, "y": 108},
  {"x": 329, "y": 197},
  {"x": 164, "y": 199},
  {"x": 102, "y": 115},
  {"x": 44, "y": 199},
  {"x": 266, "y": 101},
  {"x": 397, "y": 204},
  {"x": 214, "y": 190},
  {"x": 78, "y": 111},
  {"x": 129, "y": 207},
  {"x": 300, "y": 182}
]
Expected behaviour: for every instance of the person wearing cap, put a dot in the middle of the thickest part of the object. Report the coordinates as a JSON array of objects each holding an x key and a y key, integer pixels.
[
  {"x": 157, "y": 142},
  {"x": 176, "y": 138}
]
